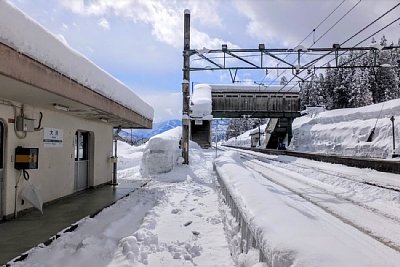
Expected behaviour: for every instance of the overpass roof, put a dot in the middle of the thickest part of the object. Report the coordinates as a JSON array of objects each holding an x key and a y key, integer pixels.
[
  {"x": 253, "y": 88},
  {"x": 39, "y": 68}
]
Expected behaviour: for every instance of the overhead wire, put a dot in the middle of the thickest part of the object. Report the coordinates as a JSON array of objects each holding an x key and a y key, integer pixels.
[
  {"x": 328, "y": 16},
  {"x": 337, "y": 22},
  {"x": 333, "y": 11},
  {"x": 352, "y": 8},
  {"x": 354, "y": 35},
  {"x": 378, "y": 31}
]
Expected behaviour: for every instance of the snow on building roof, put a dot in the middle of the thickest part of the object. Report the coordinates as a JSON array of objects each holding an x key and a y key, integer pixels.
[
  {"x": 201, "y": 103},
  {"x": 28, "y": 37},
  {"x": 254, "y": 88}
]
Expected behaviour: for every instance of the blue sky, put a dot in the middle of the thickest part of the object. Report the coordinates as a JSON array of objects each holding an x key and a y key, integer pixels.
[{"x": 140, "y": 41}]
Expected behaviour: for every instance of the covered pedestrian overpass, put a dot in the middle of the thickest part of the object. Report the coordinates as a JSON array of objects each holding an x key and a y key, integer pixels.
[{"x": 281, "y": 104}]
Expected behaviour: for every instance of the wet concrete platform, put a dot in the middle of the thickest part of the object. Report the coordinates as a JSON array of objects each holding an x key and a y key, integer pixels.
[{"x": 30, "y": 229}]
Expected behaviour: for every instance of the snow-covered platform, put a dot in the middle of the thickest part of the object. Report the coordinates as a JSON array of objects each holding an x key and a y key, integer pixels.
[
  {"x": 291, "y": 220},
  {"x": 33, "y": 228}
]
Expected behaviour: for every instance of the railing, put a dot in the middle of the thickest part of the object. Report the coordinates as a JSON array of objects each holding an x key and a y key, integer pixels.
[{"x": 248, "y": 238}]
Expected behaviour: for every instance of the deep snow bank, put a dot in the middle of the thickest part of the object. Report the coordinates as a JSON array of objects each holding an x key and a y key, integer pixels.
[
  {"x": 161, "y": 153},
  {"x": 128, "y": 156},
  {"x": 28, "y": 37},
  {"x": 345, "y": 131},
  {"x": 292, "y": 232},
  {"x": 245, "y": 138}
]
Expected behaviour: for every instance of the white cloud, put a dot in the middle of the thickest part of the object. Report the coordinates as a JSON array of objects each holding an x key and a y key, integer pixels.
[
  {"x": 288, "y": 22},
  {"x": 76, "y": 6},
  {"x": 64, "y": 27},
  {"x": 206, "y": 12},
  {"x": 164, "y": 16},
  {"x": 166, "y": 106},
  {"x": 103, "y": 23}
]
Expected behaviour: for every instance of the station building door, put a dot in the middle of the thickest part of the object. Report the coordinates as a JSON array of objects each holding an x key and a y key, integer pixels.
[
  {"x": 82, "y": 157},
  {"x": 2, "y": 141}
]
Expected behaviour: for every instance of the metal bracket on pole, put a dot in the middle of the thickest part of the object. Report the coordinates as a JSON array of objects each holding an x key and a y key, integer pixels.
[{"x": 233, "y": 77}]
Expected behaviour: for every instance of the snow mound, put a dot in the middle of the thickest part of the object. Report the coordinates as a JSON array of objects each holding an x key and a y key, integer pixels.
[
  {"x": 245, "y": 138},
  {"x": 161, "y": 153},
  {"x": 241, "y": 140},
  {"x": 128, "y": 155},
  {"x": 346, "y": 131},
  {"x": 201, "y": 101},
  {"x": 290, "y": 231},
  {"x": 28, "y": 37}
]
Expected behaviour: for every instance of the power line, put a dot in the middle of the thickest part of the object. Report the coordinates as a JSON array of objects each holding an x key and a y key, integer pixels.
[
  {"x": 337, "y": 22},
  {"x": 333, "y": 11},
  {"x": 314, "y": 31},
  {"x": 378, "y": 31},
  {"x": 354, "y": 35},
  {"x": 390, "y": 10}
]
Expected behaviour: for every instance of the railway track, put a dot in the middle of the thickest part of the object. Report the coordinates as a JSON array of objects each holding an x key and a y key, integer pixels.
[
  {"x": 373, "y": 221},
  {"x": 381, "y": 165},
  {"x": 324, "y": 171}
]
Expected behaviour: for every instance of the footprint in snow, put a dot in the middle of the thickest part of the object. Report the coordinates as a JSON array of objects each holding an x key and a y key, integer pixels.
[
  {"x": 187, "y": 223},
  {"x": 195, "y": 233},
  {"x": 176, "y": 211},
  {"x": 213, "y": 220}
]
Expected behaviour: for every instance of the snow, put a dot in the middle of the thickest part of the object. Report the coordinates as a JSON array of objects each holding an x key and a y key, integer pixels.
[
  {"x": 294, "y": 232},
  {"x": 201, "y": 101},
  {"x": 242, "y": 140},
  {"x": 342, "y": 131},
  {"x": 245, "y": 138},
  {"x": 345, "y": 131},
  {"x": 28, "y": 37},
  {"x": 161, "y": 152},
  {"x": 301, "y": 212},
  {"x": 253, "y": 88},
  {"x": 166, "y": 223}
]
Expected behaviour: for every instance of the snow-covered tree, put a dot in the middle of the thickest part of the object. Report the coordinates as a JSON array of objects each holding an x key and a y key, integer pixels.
[
  {"x": 360, "y": 94},
  {"x": 305, "y": 92},
  {"x": 329, "y": 86}
]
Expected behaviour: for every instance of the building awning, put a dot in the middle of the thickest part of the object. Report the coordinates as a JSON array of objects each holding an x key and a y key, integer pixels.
[{"x": 28, "y": 81}]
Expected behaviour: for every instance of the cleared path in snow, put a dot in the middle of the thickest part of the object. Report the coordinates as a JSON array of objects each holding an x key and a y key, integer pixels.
[{"x": 174, "y": 221}]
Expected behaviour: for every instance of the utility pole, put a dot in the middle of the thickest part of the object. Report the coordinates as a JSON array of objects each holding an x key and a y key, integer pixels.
[
  {"x": 394, "y": 155},
  {"x": 185, "y": 87},
  {"x": 259, "y": 132}
]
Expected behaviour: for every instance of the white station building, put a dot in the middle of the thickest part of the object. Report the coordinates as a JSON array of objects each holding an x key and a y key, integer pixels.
[{"x": 57, "y": 114}]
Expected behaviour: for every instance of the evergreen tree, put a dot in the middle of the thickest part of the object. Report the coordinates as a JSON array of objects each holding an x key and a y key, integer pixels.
[
  {"x": 329, "y": 86},
  {"x": 305, "y": 91},
  {"x": 341, "y": 97},
  {"x": 316, "y": 91},
  {"x": 360, "y": 94},
  {"x": 386, "y": 76},
  {"x": 341, "y": 92}
]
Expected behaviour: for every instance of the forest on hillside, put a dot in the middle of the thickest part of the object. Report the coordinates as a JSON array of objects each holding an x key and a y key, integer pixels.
[{"x": 356, "y": 84}]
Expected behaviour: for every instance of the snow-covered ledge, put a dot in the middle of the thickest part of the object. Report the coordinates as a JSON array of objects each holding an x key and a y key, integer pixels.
[{"x": 288, "y": 231}]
